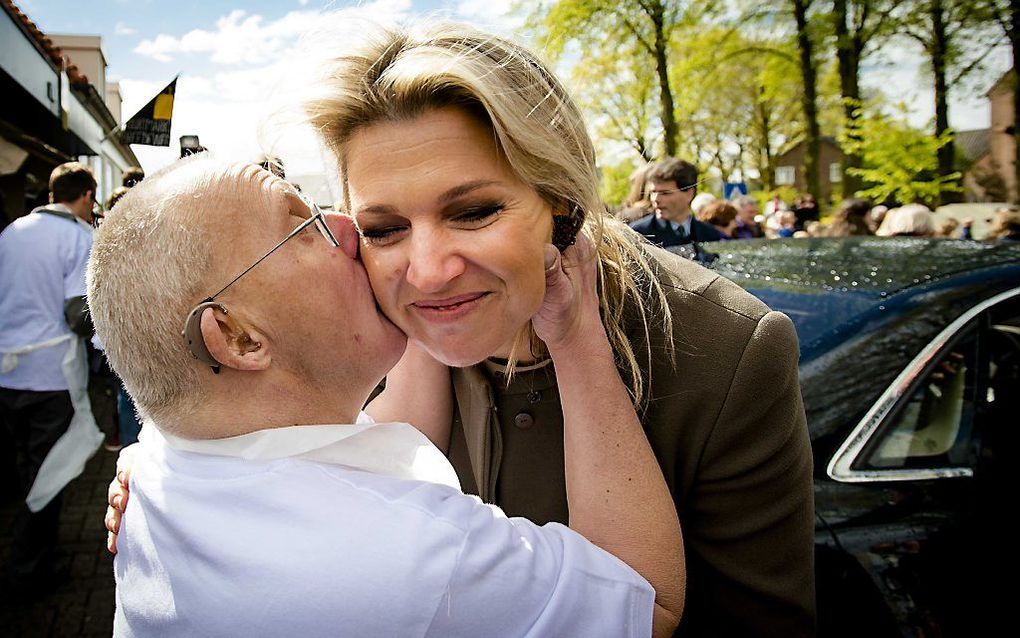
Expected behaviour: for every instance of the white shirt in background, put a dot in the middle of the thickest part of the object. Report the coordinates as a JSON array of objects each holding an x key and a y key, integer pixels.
[{"x": 42, "y": 263}]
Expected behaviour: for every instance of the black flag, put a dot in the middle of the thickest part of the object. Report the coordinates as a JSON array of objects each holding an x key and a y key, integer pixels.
[{"x": 151, "y": 125}]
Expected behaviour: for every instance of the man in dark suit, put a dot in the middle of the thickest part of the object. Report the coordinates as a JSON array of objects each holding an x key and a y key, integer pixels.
[{"x": 672, "y": 184}]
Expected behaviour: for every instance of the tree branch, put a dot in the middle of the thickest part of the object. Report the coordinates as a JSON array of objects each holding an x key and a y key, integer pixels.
[{"x": 974, "y": 63}]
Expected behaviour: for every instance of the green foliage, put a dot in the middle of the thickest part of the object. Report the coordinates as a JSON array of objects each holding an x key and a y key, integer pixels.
[
  {"x": 786, "y": 193},
  {"x": 735, "y": 79},
  {"x": 899, "y": 162},
  {"x": 740, "y": 100},
  {"x": 615, "y": 184},
  {"x": 617, "y": 83}
]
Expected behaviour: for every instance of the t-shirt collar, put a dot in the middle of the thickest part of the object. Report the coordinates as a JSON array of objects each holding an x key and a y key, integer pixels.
[{"x": 392, "y": 449}]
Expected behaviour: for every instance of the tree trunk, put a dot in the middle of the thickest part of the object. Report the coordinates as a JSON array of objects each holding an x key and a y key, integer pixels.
[
  {"x": 1014, "y": 41},
  {"x": 848, "y": 51},
  {"x": 767, "y": 168},
  {"x": 669, "y": 127},
  {"x": 809, "y": 98},
  {"x": 938, "y": 64}
]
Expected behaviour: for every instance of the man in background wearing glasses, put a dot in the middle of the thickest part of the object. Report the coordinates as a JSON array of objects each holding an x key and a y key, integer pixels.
[
  {"x": 43, "y": 327},
  {"x": 672, "y": 185}
]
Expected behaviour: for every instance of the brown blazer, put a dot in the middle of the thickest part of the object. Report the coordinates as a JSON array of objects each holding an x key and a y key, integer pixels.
[{"x": 727, "y": 425}]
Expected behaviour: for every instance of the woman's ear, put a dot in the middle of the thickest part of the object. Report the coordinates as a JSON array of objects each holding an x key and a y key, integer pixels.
[{"x": 233, "y": 343}]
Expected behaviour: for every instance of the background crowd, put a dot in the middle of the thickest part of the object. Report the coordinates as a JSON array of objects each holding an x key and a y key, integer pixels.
[{"x": 745, "y": 217}]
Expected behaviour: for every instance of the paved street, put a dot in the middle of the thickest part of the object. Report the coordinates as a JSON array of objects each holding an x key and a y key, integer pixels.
[{"x": 82, "y": 605}]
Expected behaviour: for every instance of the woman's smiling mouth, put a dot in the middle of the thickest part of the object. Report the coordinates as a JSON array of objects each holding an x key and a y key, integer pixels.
[{"x": 450, "y": 308}]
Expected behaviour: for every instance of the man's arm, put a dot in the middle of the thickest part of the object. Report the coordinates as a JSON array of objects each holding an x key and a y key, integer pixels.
[
  {"x": 76, "y": 309},
  {"x": 753, "y": 509}
]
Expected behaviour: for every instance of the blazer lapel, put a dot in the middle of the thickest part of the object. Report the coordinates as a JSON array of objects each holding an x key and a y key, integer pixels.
[{"x": 474, "y": 401}]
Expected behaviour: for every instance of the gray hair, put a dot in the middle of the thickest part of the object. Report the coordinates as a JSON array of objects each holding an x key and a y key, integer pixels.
[
  {"x": 912, "y": 219},
  {"x": 744, "y": 200},
  {"x": 149, "y": 263}
]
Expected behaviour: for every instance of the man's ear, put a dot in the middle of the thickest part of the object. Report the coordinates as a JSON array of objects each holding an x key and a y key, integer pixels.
[{"x": 233, "y": 343}]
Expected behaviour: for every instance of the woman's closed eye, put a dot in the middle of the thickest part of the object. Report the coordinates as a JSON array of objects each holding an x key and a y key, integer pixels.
[
  {"x": 381, "y": 233},
  {"x": 477, "y": 216}
]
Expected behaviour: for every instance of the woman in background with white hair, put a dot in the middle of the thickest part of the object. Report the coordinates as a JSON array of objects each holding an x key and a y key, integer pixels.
[{"x": 912, "y": 220}]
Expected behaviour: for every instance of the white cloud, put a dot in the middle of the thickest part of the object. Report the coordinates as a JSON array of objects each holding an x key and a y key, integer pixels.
[
  {"x": 260, "y": 67},
  {"x": 122, "y": 29},
  {"x": 243, "y": 38}
]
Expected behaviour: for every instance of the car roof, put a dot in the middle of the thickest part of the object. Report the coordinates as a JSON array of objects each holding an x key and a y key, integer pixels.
[
  {"x": 875, "y": 267},
  {"x": 864, "y": 306},
  {"x": 834, "y": 288}
]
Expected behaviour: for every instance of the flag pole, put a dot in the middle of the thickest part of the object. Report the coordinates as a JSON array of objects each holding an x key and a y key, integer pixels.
[{"x": 114, "y": 130}]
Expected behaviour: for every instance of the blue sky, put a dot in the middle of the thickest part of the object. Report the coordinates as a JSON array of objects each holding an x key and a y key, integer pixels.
[
  {"x": 236, "y": 58},
  {"x": 233, "y": 58}
]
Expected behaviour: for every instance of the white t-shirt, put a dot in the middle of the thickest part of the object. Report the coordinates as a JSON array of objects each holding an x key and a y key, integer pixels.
[
  {"x": 324, "y": 531},
  {"x": 42, "y": 263}
]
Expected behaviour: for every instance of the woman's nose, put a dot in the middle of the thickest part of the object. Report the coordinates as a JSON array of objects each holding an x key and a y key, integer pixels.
[{"x": 434, "y": 261}]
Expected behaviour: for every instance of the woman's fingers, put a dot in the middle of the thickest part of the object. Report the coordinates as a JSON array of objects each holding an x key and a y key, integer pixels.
[
  {"x": 570, "y": 293},
  {"x": 557, "y": 285}
]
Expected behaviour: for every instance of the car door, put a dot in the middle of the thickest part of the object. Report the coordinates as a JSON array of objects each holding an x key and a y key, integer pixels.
[{"x": 922, "y": 485}]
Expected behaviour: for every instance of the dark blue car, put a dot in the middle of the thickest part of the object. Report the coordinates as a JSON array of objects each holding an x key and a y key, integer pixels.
[{"x": 910, "y": 371}]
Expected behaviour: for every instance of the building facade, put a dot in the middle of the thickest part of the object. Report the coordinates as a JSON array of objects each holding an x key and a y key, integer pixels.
[
  {"x": 991, "y": 175},
  {"x": 53, "y": 112},
  {"x": 790, "y": 168}
]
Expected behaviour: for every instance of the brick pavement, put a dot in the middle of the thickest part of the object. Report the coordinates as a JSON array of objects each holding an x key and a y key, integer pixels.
[{"x": 83, "y": 605}]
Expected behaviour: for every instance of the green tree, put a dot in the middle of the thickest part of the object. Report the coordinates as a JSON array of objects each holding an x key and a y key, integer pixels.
[
  {"x": 956, "y": 36},
  {"x": 741, "y": 100},
  {"x": 857, "y": 26},
  {"x": 626, "y": 113},
  {"x": 809, "y": 75},
  {"x": 615, "y": 184},
  {"x": 601, "y": 28},
  {"x": 806, "y": 35},
  {"x": 898, "y": 162}
]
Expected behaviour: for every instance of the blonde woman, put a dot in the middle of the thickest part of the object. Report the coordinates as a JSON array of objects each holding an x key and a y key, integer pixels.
[{"x": 462, "y": 158}]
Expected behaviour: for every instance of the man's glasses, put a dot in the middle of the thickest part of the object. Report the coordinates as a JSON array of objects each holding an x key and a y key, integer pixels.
[
  {"x": 192, "y": 332},
  {"x": 668, "y": 191}
]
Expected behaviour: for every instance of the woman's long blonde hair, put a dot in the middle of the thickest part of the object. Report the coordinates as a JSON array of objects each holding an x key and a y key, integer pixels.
[{"x": 398, "y": 73}]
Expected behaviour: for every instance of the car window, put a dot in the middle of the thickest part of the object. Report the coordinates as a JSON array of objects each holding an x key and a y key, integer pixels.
[
  {"x": 932, "y": 427},
  {"x": 960, "y": 404},
  {"x": 1002, "y": 391}
]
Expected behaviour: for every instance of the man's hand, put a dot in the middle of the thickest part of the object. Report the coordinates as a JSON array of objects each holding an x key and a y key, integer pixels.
[{"x": 117, "y": 496}]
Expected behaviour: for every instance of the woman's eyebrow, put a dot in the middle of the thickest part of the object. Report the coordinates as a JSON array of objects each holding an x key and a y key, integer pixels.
[
  {"x": 464, "y": 189},
  {"x": 444, "y": 198}
]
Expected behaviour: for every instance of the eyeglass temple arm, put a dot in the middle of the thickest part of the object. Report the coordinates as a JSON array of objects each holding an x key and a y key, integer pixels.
[{"x": 272, "y": 250}]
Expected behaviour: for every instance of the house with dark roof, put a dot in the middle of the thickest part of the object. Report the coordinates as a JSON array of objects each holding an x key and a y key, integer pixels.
[
  {"x": 52, "y": 112},
  {"x": 989, "y": 154},
  {"x": 790, "y": 167}
]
